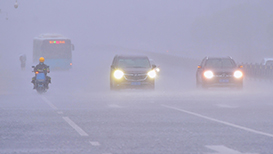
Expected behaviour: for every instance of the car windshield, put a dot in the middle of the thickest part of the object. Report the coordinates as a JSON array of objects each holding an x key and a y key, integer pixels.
[
  {"x": 220, "y": 63},
  {"x": 134, "y": 62}
]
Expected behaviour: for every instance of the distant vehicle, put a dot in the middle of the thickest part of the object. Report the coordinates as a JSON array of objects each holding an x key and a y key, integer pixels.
[
  {"x": 221, "y": 71},
  {"x": 132, "y": 71},
  {"x": 55, "y": 48},
  {"x": 267, "y": 61}
]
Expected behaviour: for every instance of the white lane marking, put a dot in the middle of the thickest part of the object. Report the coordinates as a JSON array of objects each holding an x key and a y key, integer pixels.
[
  {"x": 49, "y": 103},
  {"x": 94, "y": 143},
  {"x": 60, "y": 112},
  {"x": 224, "y": 150},
  {"x": 75, "y": 126},
  {"x": 226, "y": 106},
  {"x": 114, "y": 106},
  {"x": 219, "y": 121}
]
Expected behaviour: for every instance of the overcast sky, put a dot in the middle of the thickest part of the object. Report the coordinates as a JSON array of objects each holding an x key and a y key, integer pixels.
[{"x": 194, "y": 28}]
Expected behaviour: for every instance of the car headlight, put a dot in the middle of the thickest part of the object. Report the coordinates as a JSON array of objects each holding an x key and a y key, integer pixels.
[
  {"x": 118, "y": 74},
  {"x": 208, "y": 74},
  {"x": 238, "y": 74},
  {"x": 152, "y": 74}
]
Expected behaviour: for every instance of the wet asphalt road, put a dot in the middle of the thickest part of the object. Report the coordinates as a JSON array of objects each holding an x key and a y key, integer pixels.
[{"x": 79, "y": 114}]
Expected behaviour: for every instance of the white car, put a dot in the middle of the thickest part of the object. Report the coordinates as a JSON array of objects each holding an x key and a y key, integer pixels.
[{"x": 267, "y": 61}]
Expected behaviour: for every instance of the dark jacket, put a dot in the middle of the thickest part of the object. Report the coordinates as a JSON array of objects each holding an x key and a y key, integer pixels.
[{"x": 41, "y": 67}]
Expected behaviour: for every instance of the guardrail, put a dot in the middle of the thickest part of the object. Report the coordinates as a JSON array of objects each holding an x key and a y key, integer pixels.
[{"x": 258, "y": 71}]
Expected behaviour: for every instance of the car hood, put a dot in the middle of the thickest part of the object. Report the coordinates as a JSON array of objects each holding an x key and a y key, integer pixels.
[
  {"x": 135, "y": 70},
  {"x": 222, "y": 69}
]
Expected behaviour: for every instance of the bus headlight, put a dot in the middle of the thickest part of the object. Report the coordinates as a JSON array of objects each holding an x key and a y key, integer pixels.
[
  {"x": 118, "y": 74},
  {"x": 152, "y": 74},
  {"x": 238, "y": 74},
  {"x": 208, "y": 74}
]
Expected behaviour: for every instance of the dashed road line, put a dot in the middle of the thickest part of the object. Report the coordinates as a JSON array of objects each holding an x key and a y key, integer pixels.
[
  {"x": 114, "y": 106},
  {"x": 49, "y": 103},
  {"x": 94, "y": 143},
  {"x": 75, "y": 126},
  {"x": 219, "y": 121},
  {"x": 60, "y": 112},
  {"x": 226, "y": 106},
  {"x": 224, "y": 150}
]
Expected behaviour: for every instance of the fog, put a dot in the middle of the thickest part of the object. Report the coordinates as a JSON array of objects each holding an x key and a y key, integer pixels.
[
  {"x": 174, "y": 117},
  {"x": 188, "y": 28},
  {"x": 100, "y": 29}
]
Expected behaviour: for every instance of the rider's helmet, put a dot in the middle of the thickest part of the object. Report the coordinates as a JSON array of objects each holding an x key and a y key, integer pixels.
[{"x": 42, "y": 59}]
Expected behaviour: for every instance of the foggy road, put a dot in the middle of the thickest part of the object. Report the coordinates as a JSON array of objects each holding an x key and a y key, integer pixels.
[{"x": 79, "y": 114}]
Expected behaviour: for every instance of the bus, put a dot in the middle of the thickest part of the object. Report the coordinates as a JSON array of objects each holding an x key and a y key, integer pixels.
[{"x": 55, "y": 48}]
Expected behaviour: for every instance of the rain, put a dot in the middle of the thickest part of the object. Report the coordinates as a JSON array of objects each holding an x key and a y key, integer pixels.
[{"x": 81, "y": 113}]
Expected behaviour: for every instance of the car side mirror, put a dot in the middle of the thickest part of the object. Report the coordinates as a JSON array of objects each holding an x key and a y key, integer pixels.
[
  {"x": 33, "y": 66},
  {"x": 153, "y": 66}
]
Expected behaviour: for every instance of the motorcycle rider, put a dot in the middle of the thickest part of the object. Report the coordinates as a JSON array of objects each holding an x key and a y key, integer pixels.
[{"x": 44, "y": 68}]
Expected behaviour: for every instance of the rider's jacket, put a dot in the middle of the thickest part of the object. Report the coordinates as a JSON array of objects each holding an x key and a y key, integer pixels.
[{"x": 41, "y": 67}]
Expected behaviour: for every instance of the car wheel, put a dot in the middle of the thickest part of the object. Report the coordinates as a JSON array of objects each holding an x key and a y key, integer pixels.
[
  {"x": 239, "y": 87},
  {"x": 152, "y": 87},
  {"x": 112, "y": 85},
  {"x": 198, "y": 84},
  {"x": 204, "y": 86}
]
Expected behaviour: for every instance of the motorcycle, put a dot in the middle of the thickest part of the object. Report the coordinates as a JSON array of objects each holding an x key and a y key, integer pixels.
[{"x": 40, "y": 82}]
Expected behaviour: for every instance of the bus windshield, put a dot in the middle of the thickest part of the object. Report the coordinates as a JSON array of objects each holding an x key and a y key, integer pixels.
[{"x": 56, "y": 51}]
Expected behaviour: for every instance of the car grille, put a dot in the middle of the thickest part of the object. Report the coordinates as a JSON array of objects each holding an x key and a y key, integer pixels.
[
  {"x": 135, "y": 77},
  {"x": 223, "y": 74}
]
